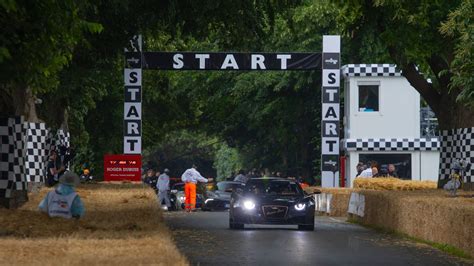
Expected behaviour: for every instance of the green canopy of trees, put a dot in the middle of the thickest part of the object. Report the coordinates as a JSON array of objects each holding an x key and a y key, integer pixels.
[{"x": 70, "y": 54}]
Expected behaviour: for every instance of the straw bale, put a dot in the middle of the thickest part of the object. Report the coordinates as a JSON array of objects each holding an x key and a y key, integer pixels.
[
  {"x": 390, "y": 183},
  {"x": 123, "y": 225},
  {"x": 426, "y": 214},
  {"x": 329, "y": 190},
  {"x": 412, "y": 208}
]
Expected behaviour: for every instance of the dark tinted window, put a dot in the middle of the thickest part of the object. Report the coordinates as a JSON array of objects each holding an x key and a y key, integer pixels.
[
  {"x": 368, "y": 98},
  {"x": 223, "y": 186},
  {"x": 179, "y": 187},
  {"x": 273, "y": 187}
]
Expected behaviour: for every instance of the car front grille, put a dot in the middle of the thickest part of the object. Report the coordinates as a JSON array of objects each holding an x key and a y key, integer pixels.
[{"x": 275, "y": 211}]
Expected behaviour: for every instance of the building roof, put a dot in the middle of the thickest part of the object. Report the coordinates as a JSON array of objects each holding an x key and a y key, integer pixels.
[{"x": 371, "y": 70}]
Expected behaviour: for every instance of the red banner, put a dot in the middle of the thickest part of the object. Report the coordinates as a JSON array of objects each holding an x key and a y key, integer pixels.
[{"x": 118, "y": 167}]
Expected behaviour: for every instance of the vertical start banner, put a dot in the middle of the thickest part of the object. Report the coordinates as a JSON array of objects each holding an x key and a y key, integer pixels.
[
  {"x": 132, "y": 115},
  {"x": 331, "y": 63}
]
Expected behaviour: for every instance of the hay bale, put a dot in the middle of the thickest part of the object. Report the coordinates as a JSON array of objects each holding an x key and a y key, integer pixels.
[
  {"x": 390, "y": 183},
  {"x": 426, "y": 214},
  {"x": 124, "y": 220}
]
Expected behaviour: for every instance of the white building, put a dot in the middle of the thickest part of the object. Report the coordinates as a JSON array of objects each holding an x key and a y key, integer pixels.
[{"x": 382, "y": 123}]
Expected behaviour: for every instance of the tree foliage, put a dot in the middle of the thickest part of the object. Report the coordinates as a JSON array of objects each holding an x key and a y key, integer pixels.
[
  {"x": 38, "y": 40},
  {"x": 71, "y": 54},
  {"x": 431, "y": 41}
]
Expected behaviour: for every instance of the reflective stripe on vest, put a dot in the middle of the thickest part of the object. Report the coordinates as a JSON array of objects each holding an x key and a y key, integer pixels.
[{"x": 60, "y": 205}]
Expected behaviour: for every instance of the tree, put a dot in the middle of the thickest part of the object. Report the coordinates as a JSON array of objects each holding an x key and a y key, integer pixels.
[
  {"x": 430, "y": 41},
  {"x": 38, "y": 40}
]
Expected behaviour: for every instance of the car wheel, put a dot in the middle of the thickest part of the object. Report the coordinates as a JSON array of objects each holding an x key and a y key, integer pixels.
[
  {"x": 306, "y": 227},
  {"x": 233, "y": 225}
]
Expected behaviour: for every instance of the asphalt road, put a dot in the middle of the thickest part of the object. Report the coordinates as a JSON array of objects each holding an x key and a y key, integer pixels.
[{"x": 205, "y": 239}]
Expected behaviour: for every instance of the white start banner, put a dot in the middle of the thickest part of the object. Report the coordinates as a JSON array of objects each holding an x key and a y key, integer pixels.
[
  {"x": 132, "y": 111},
  {"x": 331, "y": 62}
]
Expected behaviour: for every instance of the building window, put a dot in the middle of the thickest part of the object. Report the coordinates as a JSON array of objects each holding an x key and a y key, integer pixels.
[
  {"x": 368, "y": 98},
  {"x": 401, "y": 162}
]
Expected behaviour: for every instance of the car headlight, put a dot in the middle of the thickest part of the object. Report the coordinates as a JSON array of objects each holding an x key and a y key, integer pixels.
[
  {"x": 300, "y": 206},
  {"x": 206, "y": 201},
  {"x": 182, "y": 198},
  {"x": 249, "y": 205}
]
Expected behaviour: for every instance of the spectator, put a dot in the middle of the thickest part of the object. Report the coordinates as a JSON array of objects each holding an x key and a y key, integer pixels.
[
  {"x": 154, "y": 180},
  {"x": 53, "y": 169},
  {"x": 150, "y": 174},
  {"x": 375, "y": 172},
  {"x": 163, "y": 187},
  {"x": 360, "y": 167},
  {"x": 64, "y": 201},
  {"x": 302, "y": 183},
  {"x": 368, "y": 173},
  {"x": 86, "y": 176},
  {"x": 241, "y": 177},
  {"x": 392, "y": 171}
]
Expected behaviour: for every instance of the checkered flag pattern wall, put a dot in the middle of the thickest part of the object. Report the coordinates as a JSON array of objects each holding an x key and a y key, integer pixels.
[
  {"x": 24, "y": 150},
  {"x": 12, "y": 155},
  {"x": 456, "y": 144},
  {"x": 371, "y": 70},
  {"x": 36, "y": 151},
  {"x": 392, "y": 144},
  {"x": 6, "y": 159},
  {"x": 18, "y": 132},
  {"x": 63, "y": 138}
]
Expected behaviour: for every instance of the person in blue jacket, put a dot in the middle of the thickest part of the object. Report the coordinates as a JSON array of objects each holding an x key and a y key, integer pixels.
[{"x": 63, "y": 201}]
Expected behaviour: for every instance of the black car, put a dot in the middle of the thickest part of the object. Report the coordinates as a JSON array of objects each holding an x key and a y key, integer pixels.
[
  {"x": 219, "y": 199},
  {"x": 271, "y": 201}
]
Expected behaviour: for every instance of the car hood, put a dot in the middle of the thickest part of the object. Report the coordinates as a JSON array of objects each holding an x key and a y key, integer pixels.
[
  {"x": 222, "y": 195},
  {"x": 275, "y": 199}
]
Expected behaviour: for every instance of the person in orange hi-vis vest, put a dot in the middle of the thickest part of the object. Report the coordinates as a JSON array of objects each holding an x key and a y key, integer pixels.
[{"x": 190, "y": 178}]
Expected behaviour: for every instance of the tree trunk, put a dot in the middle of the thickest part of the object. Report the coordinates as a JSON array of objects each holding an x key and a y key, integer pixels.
[
  {"x": 24, "y": 104},
  {"x": 455, "y": 119},
  {"x": 454, "y": 115},
  {"x": 442, "y": 99}
]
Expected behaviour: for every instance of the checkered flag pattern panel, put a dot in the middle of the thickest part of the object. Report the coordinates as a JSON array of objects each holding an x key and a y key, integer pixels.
[
  {"x": 12, "y": 155},
  {"x": 19, "y": 171},
  {"x": 36, "y": 151},
  {"x": 63, "y": 138},
  {"x": 6, "y": 159},
  {"x": 23, "y": 153},
  {"x": 371, "y": 70},
  {"x": 456, "y": 144},
  {"x": 392, "y": 144}
]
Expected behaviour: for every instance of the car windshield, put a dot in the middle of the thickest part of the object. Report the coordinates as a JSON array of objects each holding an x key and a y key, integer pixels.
[
  {"x": 225, "y": 186},
  {"x": 272, "y": 187}
]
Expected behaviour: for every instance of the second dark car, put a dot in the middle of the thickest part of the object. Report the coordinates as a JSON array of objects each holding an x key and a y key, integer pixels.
[{"x": 219, "y": 199}]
